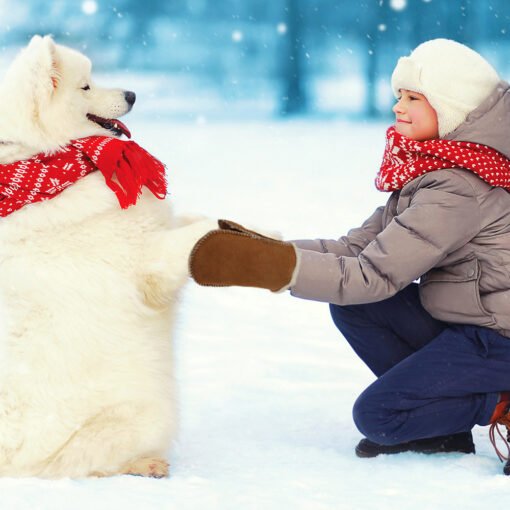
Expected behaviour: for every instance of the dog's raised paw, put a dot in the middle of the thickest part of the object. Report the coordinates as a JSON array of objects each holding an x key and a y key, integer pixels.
[{"x": 152, "y": 467}]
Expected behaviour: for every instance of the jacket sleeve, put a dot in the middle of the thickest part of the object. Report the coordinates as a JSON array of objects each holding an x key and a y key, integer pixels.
[
  {"x": 350, "y": 245},
  {"x": 442, "y": 216}
]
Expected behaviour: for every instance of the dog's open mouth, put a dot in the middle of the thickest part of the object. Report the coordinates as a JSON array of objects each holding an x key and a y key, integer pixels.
[{"x": 117, "y": 127}]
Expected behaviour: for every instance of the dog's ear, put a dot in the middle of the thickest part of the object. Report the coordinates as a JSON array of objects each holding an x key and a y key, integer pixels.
[
  {"x": 43, "y": 53},
  {"x": 32, "y": 80}
]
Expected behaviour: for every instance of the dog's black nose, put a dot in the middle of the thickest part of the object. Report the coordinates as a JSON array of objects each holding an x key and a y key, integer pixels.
[{"x": 130, "y": 97}]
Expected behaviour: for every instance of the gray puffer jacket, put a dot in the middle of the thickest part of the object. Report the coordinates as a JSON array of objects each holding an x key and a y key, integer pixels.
[{"x": 448, "y": 228}]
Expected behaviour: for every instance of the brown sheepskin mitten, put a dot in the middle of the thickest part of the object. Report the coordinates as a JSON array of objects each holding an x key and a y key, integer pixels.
[{"x": 234, "y": 255}]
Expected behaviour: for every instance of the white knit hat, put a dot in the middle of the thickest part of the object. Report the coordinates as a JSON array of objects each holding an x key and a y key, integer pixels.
[{"x": 454, "y": 79}]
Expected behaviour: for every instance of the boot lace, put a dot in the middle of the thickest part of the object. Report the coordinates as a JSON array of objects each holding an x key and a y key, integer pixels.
[{"x": 494, "y": 428}]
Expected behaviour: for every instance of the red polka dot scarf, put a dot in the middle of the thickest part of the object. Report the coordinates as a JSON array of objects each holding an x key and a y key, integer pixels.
[
  {"x": 125, "y": 165},
  {"x": 405, "y": 159}
]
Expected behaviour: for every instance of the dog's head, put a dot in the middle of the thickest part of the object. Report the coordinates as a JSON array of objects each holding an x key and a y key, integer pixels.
[{"x": 48, "y": 98}]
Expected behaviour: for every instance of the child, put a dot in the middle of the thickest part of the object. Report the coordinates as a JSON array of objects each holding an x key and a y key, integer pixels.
[{"x": 440, "y": 349}]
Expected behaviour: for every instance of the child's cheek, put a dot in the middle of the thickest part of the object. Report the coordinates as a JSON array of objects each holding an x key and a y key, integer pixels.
[{"x": 418, "y": 116}]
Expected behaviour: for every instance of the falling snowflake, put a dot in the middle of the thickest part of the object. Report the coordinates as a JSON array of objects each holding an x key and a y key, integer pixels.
[
  {"x": 281, "y": 28},
  {"x": 398, "y": 5},
  {"x": 237, "y": 36},
  {"x": 89, "y": 7}
]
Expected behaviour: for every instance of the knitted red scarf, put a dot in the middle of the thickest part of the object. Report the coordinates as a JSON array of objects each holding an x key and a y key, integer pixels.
[
  {"x": 125, "y": 166},
  {"x": 405, "y": 159}
]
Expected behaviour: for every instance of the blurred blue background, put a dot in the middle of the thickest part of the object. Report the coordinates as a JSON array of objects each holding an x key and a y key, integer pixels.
[{"x": 245, "y": 59}]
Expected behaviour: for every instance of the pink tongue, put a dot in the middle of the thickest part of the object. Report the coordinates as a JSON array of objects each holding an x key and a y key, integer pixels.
[{"x": 120, "y": 125}]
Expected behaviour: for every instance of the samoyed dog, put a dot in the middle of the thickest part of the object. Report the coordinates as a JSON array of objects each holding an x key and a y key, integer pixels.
[{"x": 87, "y": 291}]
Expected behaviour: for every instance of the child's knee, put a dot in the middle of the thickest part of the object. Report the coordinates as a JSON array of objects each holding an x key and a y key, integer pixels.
[
  {"x": 372, "y": 419},
  {"x": 362, "y": 415}
]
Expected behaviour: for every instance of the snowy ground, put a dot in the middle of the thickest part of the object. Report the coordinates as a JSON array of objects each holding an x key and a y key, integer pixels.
[{"x": 266, "y": 382}]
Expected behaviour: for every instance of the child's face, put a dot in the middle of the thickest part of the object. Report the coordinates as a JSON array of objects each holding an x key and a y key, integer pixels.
[{"x": 415, "y": 117}]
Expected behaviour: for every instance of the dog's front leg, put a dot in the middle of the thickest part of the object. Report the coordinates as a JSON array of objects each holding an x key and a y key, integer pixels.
[{"x": 164, "y": 265}]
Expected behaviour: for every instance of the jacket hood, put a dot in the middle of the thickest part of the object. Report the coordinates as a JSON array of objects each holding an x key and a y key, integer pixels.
[{"x": 489, "y": 123}]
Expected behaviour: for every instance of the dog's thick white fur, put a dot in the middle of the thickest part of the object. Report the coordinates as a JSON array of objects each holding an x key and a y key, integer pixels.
[{"x": 87, "y": 293}]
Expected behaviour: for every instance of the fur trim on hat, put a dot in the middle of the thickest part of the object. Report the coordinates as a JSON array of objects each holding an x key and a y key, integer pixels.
[{"x": 454, "y": 78}]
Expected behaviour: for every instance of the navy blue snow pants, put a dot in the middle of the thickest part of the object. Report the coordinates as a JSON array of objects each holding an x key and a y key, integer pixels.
[{"x": 433, "y": 378}]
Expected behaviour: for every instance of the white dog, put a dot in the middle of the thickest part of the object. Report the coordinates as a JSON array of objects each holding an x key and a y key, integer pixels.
[{"x": 87, "y": 291}]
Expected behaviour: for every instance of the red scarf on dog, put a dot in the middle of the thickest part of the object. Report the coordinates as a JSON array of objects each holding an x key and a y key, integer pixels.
[
  {"x": 125, "y": 166},
  {"x": 405, "y": 159}
]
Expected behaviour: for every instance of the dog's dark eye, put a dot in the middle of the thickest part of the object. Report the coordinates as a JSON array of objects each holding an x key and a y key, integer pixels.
[{"x": 85, "y": 88}]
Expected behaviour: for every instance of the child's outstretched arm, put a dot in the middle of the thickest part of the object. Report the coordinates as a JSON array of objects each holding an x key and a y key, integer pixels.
[
  {"x": 409, "y": 246},
  {"x": 259, "y": 262}
]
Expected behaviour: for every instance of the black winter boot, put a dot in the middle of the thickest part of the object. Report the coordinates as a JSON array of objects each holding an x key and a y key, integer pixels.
[{"x": 459, "y": 443}]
